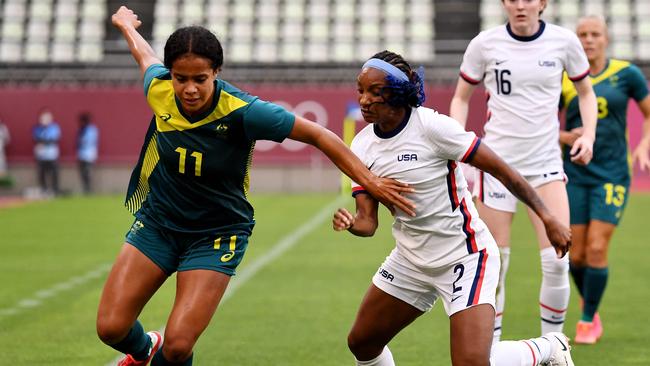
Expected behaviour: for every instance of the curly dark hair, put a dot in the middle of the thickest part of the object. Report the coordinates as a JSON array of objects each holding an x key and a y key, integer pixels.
[
  {"x": 193, "y": 39},
  {"x": 402, "y": 93}
]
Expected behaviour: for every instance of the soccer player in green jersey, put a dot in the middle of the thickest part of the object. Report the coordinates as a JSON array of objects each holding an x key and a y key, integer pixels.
[
  {"x": 598, "y": 192},
  {"x": 189, "y": 192}
]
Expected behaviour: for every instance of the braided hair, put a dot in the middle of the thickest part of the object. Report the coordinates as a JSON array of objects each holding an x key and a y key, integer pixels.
[
  {"x": 193, "y": 39},
  {"x": 402, "y": 93}
]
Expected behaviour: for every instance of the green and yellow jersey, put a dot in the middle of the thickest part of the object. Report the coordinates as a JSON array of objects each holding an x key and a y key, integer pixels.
[
  {"x": 614, "y": 86},
  {"x": 193, "y": 172}
]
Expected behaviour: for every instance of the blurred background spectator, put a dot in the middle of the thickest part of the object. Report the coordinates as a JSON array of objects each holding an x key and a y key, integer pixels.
[
  {"x": 87, "y": 145},
  {"x": 47, "y": 134}
]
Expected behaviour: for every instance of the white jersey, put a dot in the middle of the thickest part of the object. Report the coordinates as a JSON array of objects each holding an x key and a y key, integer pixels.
[
  {"x": 523, "y": 78},
  {"x": 423, "y": 152}
]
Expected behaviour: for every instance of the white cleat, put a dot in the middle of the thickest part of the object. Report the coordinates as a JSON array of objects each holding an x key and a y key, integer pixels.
[{"x": 561, "y": 355}]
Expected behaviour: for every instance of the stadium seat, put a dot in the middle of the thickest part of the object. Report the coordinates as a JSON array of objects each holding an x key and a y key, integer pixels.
[
  {"x": 594, "y": 7},
  {"x": 62, "y": 52},
  {"x": 192, "y": 12},
  {"x": 10, "y": 51}
]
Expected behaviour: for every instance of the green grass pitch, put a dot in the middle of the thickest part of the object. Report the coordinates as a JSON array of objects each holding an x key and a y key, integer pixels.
[{"x": 296, "y": 308}]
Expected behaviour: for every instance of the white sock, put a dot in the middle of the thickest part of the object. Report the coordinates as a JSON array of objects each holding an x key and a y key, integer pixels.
[
  {"x": 384, "y": 359},
  {"x": 531, "y": 352},
  {"x": 500, "y": 301},
  {"x": 555, "y": 290}
]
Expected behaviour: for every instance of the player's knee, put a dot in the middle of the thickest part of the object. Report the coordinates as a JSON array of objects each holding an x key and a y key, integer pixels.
[
  {"x": 177, "y": 349},
  {"x": 597, "y": 255},
  {"x": 111, "y": 330},
  {"x": 552, "y": 265},
  {"x": 363, "y": 348}
]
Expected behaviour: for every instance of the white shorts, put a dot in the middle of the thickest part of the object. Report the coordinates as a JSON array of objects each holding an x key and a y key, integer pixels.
[
  {"x": 470, "y": 281},
  {"x": 494, "y": 194}
]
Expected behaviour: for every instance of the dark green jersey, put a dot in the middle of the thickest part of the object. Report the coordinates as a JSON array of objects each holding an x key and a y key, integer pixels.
[
  {"x": 193, "y": 173},
  {"x": 614, "y": 86}
]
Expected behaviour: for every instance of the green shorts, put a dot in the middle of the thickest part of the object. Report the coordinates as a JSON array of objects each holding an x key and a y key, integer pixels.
[
  {"x": 604, "y": 202},
  {"x": 177, "y": 251}
]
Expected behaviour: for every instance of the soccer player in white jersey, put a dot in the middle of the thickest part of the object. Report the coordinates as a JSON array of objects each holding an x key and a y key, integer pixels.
[
  {"x": 445, "y": 251},
  {"x": 521, "y": 65}
]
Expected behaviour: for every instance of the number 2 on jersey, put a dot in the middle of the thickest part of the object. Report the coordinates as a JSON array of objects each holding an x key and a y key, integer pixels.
[{"x": 198, "y": 159}]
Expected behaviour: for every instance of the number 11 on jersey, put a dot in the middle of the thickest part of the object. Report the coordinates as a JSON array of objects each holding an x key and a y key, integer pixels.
[{"x": 198, "y": 159}]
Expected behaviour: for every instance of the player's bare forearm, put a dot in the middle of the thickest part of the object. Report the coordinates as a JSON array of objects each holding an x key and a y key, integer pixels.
[
  {"x": 127, "y": 22},
  {"x": 364, "y": 222},
  {"x": 588, "y": 106},
  {"x": 488, "y": 161},
  {"x": 459, "y": 107},
  {"x": 568, "y": 138}
]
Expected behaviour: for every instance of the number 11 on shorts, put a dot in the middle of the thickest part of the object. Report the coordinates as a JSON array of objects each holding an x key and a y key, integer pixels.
[{"x": 231, "y": 248}]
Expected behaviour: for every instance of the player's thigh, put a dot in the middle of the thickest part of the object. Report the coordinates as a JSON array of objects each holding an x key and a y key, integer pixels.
[
  {"x": 131, "y": 282},
  {"x": 599, "y": 236},
  {"x": 198, "y": 293},
  {"x": 554, "y": 196},
  {"x": 471, "y": 335},
  {"x": 498, "y": 222}
]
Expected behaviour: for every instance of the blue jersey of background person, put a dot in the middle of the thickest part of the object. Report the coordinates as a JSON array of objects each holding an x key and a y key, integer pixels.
[
  {"x": 193, "y": 173},
  {"x": 614, "y": 86}
]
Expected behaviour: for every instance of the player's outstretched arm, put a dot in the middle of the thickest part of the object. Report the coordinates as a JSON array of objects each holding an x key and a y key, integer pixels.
[
  {"x": 127, "y": 22},
  {"x": 582, "y": 149},
  {"x": 364, "y": 222},
  {"x": 459, "y": 107},
  {"x": 488, "y": 161},
  {"x": 642, "y": 150},
  {"x": 386, "y": 191}
]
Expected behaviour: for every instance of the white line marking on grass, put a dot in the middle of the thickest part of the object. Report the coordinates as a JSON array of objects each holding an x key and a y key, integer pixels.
[
  {"x": 286, "y": 243},
  {"x": 40, "y": 296}
]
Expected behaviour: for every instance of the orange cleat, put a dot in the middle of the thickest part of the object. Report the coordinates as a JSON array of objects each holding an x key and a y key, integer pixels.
[
  {"x": 585, "y": 333},
  {"x": 598, "y": 327},
  {"x": 156, "y": 342}
]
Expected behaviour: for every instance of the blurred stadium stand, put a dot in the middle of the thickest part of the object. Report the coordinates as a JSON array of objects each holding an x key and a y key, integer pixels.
[{"x": 44, "y": 41}]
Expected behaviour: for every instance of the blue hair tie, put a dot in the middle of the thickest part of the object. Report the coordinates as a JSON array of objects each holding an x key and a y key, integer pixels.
[{"x": 384, "y": 66}]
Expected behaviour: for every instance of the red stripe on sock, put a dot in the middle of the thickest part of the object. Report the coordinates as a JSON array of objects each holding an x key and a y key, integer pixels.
[
  {"x": 552, "y": 309},
  {"x": 532, "y": 352}
]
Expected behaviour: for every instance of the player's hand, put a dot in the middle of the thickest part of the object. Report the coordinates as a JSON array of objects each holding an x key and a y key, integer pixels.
[
  {"x": 125, "y": 17},
  {"x": 559, "y": 236},
  {"x": 640, "y": 155},
  {"x": 570, "y": 137},
  {"x": 388, "y": 192},
  {"x": 342, "y": 220},
  {"x": 582, "y": 150}
]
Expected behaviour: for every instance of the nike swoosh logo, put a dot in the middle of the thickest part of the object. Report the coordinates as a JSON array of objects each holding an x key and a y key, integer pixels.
[
  {"x": 500, "y": 62},
  {"x": 455, "y": 298},
  {"x": 564, "y": 348},
  {"x": 371, "y": 165}
]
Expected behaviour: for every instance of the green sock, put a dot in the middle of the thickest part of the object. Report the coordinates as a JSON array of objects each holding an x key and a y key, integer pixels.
[
  {"x": 160, "y": 360},
  {"x": 578, "y": 274},
  {"x": 594, "y": 287},
  {"x": 136, "y": 343}
]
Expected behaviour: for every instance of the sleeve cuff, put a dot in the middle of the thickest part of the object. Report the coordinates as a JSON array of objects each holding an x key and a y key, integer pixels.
[
  {"x": 469, "y": 154},
  {"x": 579, "y": 77},
  {"x": 469, "y": 79}
]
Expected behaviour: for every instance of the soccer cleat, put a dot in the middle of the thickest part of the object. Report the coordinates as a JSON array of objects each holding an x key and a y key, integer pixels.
[
  {"x": 561, "y": 350},
  {"x": 585, "y": 333},
  {"x": 598, "y": 327},
  {"x": 156, "y": 342}
]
